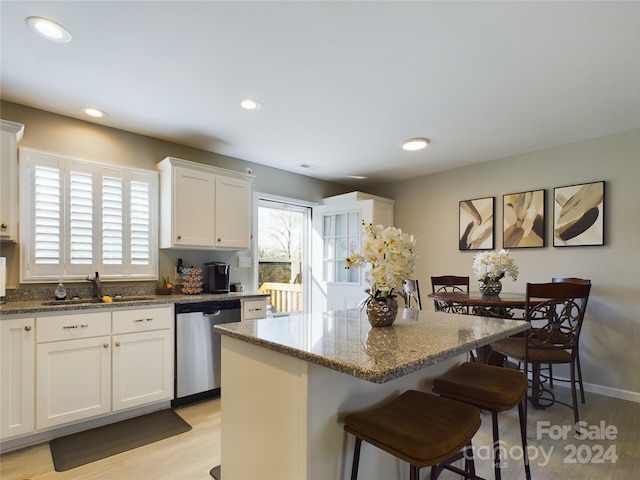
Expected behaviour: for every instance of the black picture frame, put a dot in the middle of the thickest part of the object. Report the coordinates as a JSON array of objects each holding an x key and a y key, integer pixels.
[
  {"x": 578, "y": 215},
  {"x": 476, "y": 225},
  {"x": 523, "y": 224}
]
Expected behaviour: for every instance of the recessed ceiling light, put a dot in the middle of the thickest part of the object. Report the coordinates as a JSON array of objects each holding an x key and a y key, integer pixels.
[
  {"x": 415, "y": 144},
  {"x": 308, "y": 166},
  {"x": 94, "y": 112},
  {"x": 249, "y": 104},
  {"x": 49, "y": 30}
]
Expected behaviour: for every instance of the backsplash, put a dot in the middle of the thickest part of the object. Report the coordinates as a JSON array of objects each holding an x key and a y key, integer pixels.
[{"x": 28, "y": 293}]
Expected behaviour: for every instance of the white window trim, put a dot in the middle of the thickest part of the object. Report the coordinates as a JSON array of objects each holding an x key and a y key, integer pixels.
[{"x": 32, "y": 273}]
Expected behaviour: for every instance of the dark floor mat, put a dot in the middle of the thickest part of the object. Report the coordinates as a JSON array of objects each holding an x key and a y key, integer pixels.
[{"x": 85, "y": 447}]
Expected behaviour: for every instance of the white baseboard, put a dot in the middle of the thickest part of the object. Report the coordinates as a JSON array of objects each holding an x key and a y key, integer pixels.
[
  {"x": 602, "y": 390},
  {"x": 612, "y": 392}
]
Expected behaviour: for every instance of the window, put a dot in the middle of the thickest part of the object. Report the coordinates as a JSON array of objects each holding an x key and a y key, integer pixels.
[
  {"x": 340, "y": 236},
  {"x": 283, "y": 252},
  {"x": 80, "y": 217}
]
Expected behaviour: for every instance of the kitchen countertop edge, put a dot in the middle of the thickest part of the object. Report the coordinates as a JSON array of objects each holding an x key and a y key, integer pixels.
[{"x": 36, "y": 306}]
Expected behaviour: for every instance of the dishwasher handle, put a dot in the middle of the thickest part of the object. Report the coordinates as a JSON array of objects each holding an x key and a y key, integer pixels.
[{"x": 215, "y": 313}]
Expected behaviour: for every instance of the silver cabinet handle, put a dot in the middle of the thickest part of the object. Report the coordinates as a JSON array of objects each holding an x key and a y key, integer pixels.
[
  {"x": 143, "y": 320},
  {"x": 75, "y": 326},
  {"x": 105, "y": 345}
]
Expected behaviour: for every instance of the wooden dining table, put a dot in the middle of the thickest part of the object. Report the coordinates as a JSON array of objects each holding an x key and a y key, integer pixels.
[{"x": 505, "y": 305}]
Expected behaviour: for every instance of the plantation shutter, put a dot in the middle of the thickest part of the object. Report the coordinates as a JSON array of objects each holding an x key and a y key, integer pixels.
[
  {"x": 45, "y": 186},
  {"x": 139, "y": 215},
  {"x": 112, "y": 219},
  {"x": 79, "y": 217},
  {"x": 80, "y": 232}
]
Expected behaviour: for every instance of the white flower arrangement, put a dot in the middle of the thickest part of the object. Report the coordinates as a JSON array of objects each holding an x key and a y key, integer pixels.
[
  {"x": 390, "y": 252},
  {"x": 489, "y": 266}
]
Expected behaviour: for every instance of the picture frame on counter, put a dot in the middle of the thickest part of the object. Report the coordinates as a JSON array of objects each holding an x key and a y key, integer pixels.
[
  {"x": 578, "y": 215},
  {"x": 523, "y": 219},
  {"x": 476, "y": 225}
]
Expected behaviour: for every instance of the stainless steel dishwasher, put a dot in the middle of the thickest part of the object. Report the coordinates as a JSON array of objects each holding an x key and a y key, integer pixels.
[{"x": 198, "y": 348}]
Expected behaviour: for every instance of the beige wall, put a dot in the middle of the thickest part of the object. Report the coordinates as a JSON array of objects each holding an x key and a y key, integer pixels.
[
  {"x": 427, "y": 207},
  {"x": 76, "y": 138}
]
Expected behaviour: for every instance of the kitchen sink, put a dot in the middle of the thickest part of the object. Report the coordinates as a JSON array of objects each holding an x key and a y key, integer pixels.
[{"x": 88, "y": 301}]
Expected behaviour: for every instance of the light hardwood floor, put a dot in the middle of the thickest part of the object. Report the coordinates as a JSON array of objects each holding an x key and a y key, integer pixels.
[{"x": 191, "y": 455}]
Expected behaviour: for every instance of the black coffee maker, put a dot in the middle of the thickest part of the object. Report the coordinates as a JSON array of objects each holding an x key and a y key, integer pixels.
[{"x": 216, "y": 277}]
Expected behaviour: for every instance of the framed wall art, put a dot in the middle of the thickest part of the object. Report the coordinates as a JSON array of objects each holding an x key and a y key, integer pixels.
[
  {"x": 476, "y": 224},
  {"x": 523, "y": 219},
  {"x": 578, "y": 215}
]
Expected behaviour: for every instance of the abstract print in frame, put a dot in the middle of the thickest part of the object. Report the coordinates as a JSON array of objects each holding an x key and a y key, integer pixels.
[
  {"x": 578, "y": 215},
  {"x": 523, "y": 224},
  {"x": 476, "y": 224}
]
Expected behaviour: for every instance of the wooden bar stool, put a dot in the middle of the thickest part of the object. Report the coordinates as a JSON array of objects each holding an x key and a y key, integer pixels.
[
  {"x": 419, "y": 428},
  {"x": 492, "y": 388}
]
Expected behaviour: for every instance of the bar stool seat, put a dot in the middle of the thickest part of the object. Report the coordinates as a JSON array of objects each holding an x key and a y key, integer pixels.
[
  {"x": 419, "y": 428},
  {"x": 492, "y": 388}
]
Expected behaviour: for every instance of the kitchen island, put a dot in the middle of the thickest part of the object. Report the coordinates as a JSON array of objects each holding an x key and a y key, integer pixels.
[{"x": 287, "y": 383}]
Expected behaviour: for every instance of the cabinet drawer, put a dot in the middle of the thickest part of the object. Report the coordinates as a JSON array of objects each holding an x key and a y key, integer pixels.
[
  {"x": 70, "y": 326},
  {"x": 252, "y": 309},
  {"x": 143, "y": 319}
]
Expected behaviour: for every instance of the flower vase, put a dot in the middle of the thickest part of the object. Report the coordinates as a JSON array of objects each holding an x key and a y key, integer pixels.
[
  {"x": 491, "y": 288},
  {"x": 382, "y": 312}
]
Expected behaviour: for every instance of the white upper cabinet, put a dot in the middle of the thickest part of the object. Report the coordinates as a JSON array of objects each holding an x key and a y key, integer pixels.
[
  {"x": 203, "y": 207},
  {"x": 233, "y": 213},
  {"x": 11, "y": 135}
]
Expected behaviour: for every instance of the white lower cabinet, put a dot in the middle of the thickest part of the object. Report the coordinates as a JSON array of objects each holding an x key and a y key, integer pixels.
[
  {"x": 17, "y": 376},
  {"x": 73, "y": 380},
  {"x": 91, "y": 364},
  {"x": 142, "y": 360},
  {"x": 254, "y": 308}
]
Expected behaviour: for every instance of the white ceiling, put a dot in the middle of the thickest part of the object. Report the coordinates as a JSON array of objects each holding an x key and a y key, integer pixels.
[{"x": 341, "y": 84}]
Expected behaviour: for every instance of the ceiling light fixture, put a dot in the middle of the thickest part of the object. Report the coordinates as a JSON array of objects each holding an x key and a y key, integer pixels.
[
  {"x": 249, "y": 104},
  {"x": 415, "y": 144},
  {"x": 94, "y": 112},
  {"x": 48, "y": 29},
  {"x": 308, "y": 166},
  {"x": 357, "y": 177}
]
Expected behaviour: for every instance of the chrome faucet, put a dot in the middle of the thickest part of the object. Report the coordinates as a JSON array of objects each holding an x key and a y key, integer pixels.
[{"x": 97, "y": 286}]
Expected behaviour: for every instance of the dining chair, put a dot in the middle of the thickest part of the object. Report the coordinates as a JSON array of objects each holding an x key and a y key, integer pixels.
[
  {"x": 411, "y": 291},
  {"x": 582, "y": 281},
  {"x": 452, "y": 284},
  {"x": 561, "y": 307}
]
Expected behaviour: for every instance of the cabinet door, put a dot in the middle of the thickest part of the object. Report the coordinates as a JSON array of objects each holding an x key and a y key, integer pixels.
[
  {"x": 193, "y": 196},
  {"x": 142, "y": 368},
  {"x": 233, "y": 213},
  {"x": 17, "y": 375},
  {"x": 11, "y": 134},
  {"x": 73, "y": 380}
]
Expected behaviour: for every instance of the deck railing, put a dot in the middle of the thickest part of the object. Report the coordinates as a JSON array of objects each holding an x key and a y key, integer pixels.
[{"x": 285, "y": 297}]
